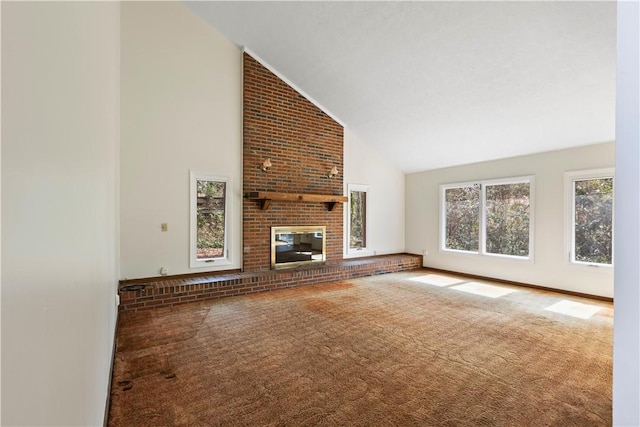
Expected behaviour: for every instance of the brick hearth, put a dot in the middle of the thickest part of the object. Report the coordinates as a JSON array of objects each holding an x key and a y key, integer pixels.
[{"x": 170, "y": 292}]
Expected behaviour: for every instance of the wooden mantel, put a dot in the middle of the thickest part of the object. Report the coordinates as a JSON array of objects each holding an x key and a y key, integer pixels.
[{"x": 265, "y": 198}]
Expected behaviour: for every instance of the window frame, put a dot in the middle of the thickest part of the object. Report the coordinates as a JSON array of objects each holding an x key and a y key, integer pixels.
[
  {"x": 366, "y": 250},
  {"x": 570, "y": 209},
  {"x": 194, "y": 262},
  {"x": 443, "y": 217},
  {"x": 482, "y": 216}
]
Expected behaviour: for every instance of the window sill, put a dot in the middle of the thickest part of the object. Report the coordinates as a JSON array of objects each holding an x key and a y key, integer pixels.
[{"x": 218, "y": 262}]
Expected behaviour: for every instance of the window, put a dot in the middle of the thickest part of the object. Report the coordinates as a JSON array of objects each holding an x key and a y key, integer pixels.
[
  {"x": 462, "y": 223},
  {"x": 591, "y": 216},
  {"x": 488, "y": 217},
  {"x": 357, "y": 219},
  {"x": 507, "y": 219},
  {"x": 209, "y": 220}
]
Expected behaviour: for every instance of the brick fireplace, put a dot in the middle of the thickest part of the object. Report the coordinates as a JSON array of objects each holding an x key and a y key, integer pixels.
[{"x": 303, "y": 144}]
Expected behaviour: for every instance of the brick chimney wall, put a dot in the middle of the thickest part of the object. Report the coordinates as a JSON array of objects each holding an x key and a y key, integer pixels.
[{"x": 303, "y": 144}]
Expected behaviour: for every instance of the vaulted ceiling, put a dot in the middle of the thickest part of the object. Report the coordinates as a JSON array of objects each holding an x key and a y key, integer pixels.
[{"x": 437, "y": 84}]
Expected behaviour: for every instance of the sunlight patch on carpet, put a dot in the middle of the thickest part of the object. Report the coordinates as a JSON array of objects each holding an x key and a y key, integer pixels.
[
  {"x": 483, "y": 289},
  {"x": 575, "y": 309},
  {"x": 436, "y": 280}
]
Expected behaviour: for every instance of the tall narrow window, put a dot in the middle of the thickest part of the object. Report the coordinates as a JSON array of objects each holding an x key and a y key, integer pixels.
[
  {"x": 462, "y": 218},
  {"x": 358, "y": 235},
  {"x": 488, "y": 217},
  {"x": 592, "y": 217},
  {"x": 507, "y": 219},
  {"x": 357, "y": 219},
  {"x": 209, "y": 218}
]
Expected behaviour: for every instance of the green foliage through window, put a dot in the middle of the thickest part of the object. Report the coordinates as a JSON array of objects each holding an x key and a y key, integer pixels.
[
  {"x": 210, "y": 215},
  {"x": 507, "y": 219},
  {"x": 358, "y": 223},
  {"x": 462, "y": 218},
  {"x": 593, "y": 220}
]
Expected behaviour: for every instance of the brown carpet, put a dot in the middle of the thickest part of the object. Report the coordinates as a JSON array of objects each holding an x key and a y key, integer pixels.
[{"x": 383, "y": 350}]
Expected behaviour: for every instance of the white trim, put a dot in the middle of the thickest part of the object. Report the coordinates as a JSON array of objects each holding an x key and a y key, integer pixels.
[
  {"x": 293, "y": 85},
  {"x": 195, "y": 176},
  {"x": 569, "y": 208}
]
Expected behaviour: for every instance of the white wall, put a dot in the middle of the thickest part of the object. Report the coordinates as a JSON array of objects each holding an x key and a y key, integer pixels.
[
  {"x": 626, "y": 348},
  {"x": 181, "y": 110},
  {"x": 550, "y": 267},
  {"x": 60, "y": 133},
  {"x": 385, "y": 197}
]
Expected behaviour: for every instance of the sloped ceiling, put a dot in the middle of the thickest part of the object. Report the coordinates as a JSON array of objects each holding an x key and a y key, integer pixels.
[{"x": 437, "y": 84}]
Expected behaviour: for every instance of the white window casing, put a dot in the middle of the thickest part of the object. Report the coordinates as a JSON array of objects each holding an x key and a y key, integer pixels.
[
  {"x": 570, "y": 179},
  {"x": 365, "y": 248},
  {"x": 222, "y": 258},
  {"x": 482, "y": 232}
]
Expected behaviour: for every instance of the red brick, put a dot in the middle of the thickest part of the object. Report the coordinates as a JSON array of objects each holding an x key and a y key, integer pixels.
[{"x": 303, "y": 144}]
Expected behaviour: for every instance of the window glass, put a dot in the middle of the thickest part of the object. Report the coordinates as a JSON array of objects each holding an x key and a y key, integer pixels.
[
  {"x": 593, "y": 220},
  {"x": 210, "y": 218},
  {"x": 507, "y": 219},
  {"x": 358, "y": 220},
  {"x": 492, "y": 217},
  {"x": 209, "y": 210},
  {"x": 462, "y": 218}
]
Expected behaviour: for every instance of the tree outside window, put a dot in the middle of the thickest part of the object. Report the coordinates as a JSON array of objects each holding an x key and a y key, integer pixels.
[
  {"x": 358, "y": 220},
  {"x": 507, "y": 219},
  {"x": 209, "y": 210},
  {"x": 488, "y": 217},
  {"x": 210, "y": 219},
  {"x": 462, "y": 218},
  {"x": 593, "y": 220},
  {"x": 357, "y": 241}
]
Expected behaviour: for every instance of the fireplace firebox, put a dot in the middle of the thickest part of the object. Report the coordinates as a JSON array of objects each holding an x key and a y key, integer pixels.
[{"x": 293, "y": 246}]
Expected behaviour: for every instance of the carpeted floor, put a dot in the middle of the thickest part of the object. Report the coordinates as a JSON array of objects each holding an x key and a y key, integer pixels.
[{"x": 399, "y": 349}]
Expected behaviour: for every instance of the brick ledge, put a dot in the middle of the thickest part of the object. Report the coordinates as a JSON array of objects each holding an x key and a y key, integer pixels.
[{"x": 174, "y": 291}]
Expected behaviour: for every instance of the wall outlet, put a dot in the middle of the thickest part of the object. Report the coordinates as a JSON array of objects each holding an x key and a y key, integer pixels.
[
  {"x": 425, "y": 253},
  {"x": 117, "y": 300},
  {"x": 164, "y": 271}
]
